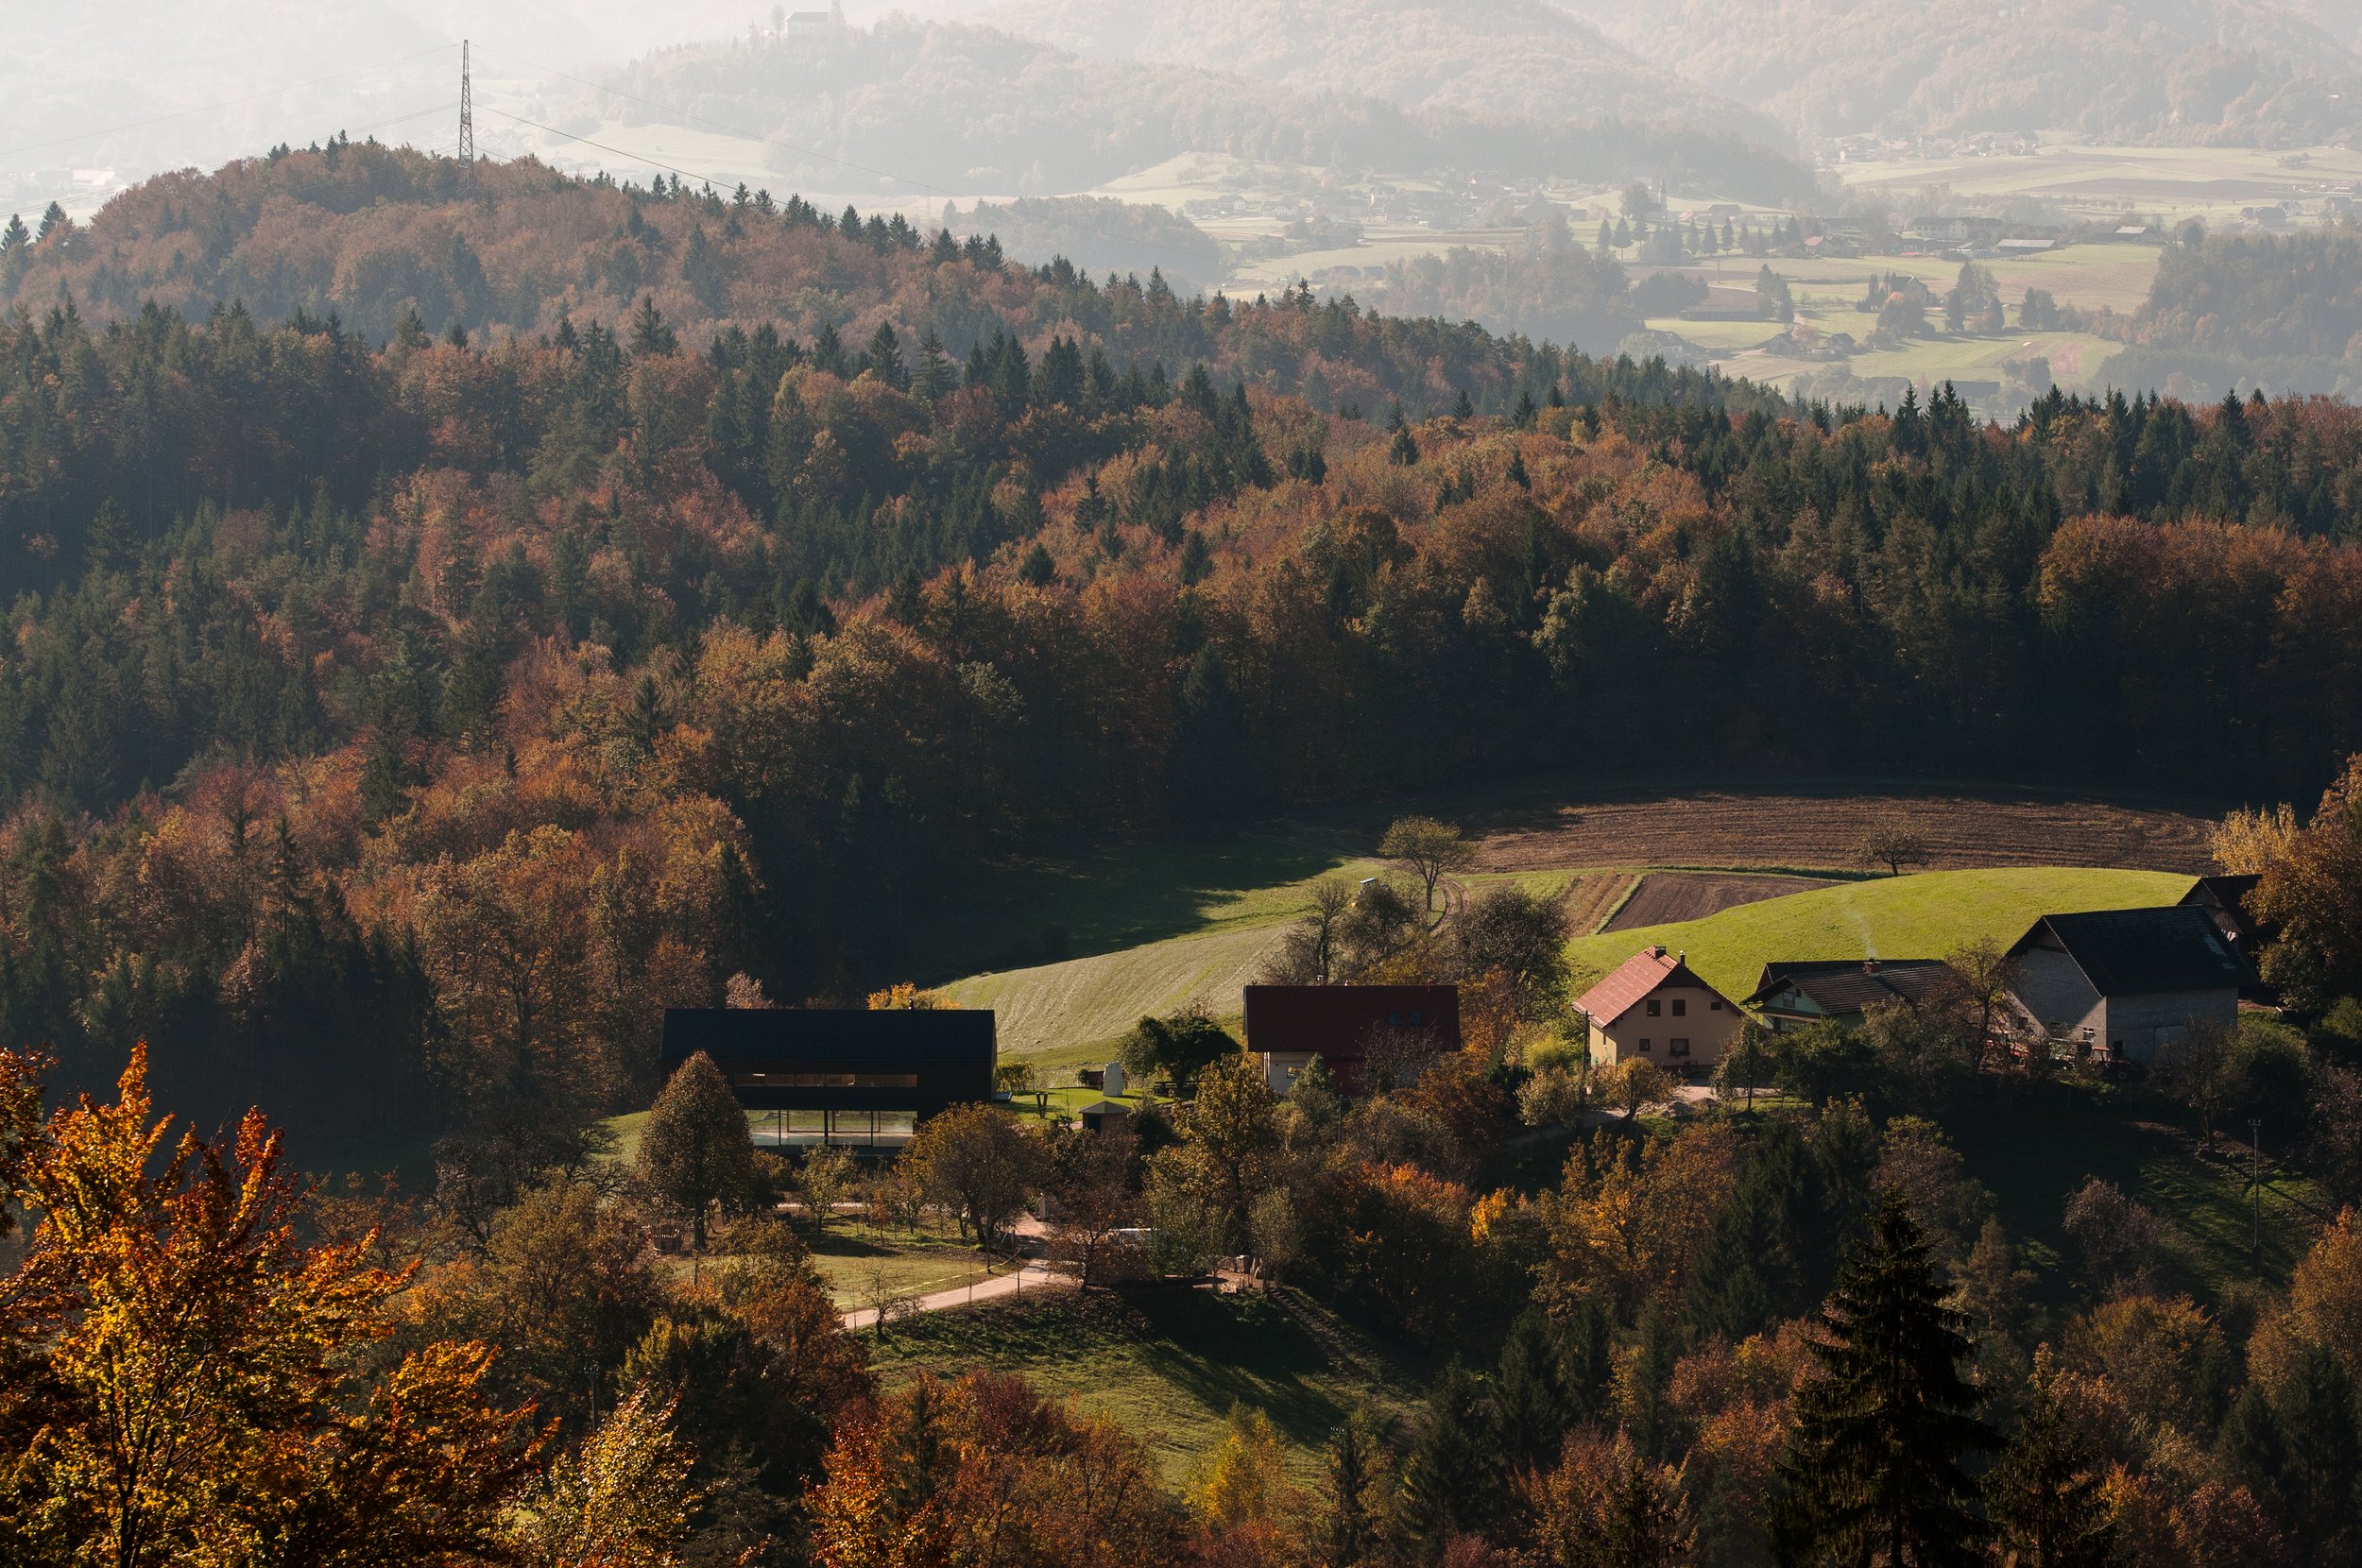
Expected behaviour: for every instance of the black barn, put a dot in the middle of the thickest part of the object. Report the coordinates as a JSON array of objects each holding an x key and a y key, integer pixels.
[{"x": 840, "y": 1076}]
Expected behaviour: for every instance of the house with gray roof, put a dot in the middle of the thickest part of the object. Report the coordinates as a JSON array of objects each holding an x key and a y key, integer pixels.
[
  {"x": 2125, "y": 984},
  {"x": 1791, "y": 994}
]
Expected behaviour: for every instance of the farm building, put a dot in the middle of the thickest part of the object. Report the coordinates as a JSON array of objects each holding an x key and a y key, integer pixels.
[
  {"x": 1791, "y": 995},
  {"x": 1346, "y": 1025},
  {"x": 2225, "y": 900},
  {"x": 1655, "y": 1008},
  {"x": 2126, "y": 983},
  {"x": 826, "y": 1076}
]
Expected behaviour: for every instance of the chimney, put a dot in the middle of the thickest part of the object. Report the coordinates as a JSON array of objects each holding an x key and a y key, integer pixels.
[{"x": 1870, "y": 965}]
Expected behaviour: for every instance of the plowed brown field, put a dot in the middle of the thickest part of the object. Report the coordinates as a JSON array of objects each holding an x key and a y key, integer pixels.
[
  {"x": 1665, "y": 897},
  {"x": 1730, "y": 828}
]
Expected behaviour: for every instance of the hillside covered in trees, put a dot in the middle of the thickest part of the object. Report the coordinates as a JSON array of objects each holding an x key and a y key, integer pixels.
[
  {"x": 485, "y": 693},
  {"x": 968, "y": 108},
  {"x": 2232, "y": 73},
  {"x": 2281, "y": 312},
  {"x": 1513, "y": 60}
]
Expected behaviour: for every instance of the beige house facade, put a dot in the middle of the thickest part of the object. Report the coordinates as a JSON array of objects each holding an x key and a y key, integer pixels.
[{"x": 1655, "y": 1008}]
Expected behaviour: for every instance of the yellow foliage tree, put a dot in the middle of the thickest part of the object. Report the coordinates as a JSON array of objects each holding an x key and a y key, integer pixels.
[
  {"x": 622, "y": 1500},
  {"x": 181, "y": 1382}
]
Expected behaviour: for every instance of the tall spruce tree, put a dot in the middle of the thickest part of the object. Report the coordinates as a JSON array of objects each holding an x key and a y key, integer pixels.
[
  {"x": 1451, "y": 1476},
  {"x": 2043, "y": 1496},
  {"x": 1873, "y": 1472},
  {"x": 1531, "y": 1407}
]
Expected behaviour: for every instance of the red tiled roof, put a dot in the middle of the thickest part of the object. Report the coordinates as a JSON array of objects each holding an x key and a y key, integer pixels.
[{"x": 1644, "y": 972}]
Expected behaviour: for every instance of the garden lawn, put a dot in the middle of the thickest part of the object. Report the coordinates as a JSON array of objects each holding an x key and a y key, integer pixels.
[
  {"x": 1896, "y": 917},
  {"x": 1168, "y": 1365},
  {"x": 850, "y": 1254}
]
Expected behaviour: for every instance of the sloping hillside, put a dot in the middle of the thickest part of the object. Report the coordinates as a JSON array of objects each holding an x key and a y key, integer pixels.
[
  {"x": 977, "y": 109},
  {"x": 1507, "y": 60},
  {"x": 2230, "y": 72},
  {"x": 1923, "y": 916}
]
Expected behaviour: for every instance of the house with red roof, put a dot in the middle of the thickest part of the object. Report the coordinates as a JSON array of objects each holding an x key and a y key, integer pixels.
[{"x": 1655, "y": 1008}]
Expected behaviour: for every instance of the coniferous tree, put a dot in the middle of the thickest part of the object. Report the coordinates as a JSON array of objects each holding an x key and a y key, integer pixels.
[
  {"x": 1532, "y": 1409},
  {"x": 1873, "y": 1472},
  {"x": 2044, "y": 1496},
  {"x": 649, "y": 333},
  {"x": 1350, "y": 1530},
  {"x": 1452, "y": 1474}
]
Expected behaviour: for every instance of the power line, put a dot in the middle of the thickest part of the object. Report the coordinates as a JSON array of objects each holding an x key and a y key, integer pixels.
[{"x": 225, "y": 103}]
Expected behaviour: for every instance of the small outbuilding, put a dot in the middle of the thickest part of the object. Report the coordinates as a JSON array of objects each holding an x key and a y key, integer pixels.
[
  {"x": 1655, "y": 1008},
  {"x": 1840, "y": 991},
  {"x": 2126, "y": 985}
]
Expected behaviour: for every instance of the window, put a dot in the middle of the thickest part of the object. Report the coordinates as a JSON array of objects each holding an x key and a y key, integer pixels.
[
  {"x": 1417, "y": 1018},
  {"x": 1714, "y": 1006},
  {"x": 1680, "y": 1008},
  {"x": 1655, "y": 1008},
  {"x": 1679, "y": 1047},
  {"x": 1644, "y": 1047}
]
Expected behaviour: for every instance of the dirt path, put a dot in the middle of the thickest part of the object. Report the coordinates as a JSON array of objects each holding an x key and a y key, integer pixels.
[{"x": 1034, "y": 1276}]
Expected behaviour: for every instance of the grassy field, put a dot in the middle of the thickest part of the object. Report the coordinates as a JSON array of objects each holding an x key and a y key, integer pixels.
[
  {"x": 852, "y": 1254},
  {"x": 1923, "y": 917},
  {"x": 1168, "y": 1365}
]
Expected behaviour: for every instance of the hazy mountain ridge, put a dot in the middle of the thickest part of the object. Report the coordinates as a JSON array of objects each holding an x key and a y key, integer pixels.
[
  {"x": 1506, "y": 60},
  {"x": 957, "y": 107},
  {"x": 2217, "y": 72}
]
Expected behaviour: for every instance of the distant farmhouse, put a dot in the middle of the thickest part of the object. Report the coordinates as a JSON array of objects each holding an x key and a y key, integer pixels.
[
  {"x": 1345, "y": 1026},
  {"x": 2128, "y": 985},
  {"x": 1655, "y": 1008},
  {"x": 858, "y": 1078},
  {"x": 1840, "y": 991}
]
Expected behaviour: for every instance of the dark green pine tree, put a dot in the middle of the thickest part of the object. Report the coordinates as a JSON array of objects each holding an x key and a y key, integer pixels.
[
  {"x": 650, "y": 334},
  {"x": 1531, "y": 1407},
  {"x": 1404, "y": 452},
  {"x": 935, "y": 374},
  {"x": 1350, "y": 1531},
  {"x": 1464, "y": 409},
  {"x": 2044, "y": 1497},
  {"x": 1873, "y": 1472},
  {"x": 1452, "y": 1474}
]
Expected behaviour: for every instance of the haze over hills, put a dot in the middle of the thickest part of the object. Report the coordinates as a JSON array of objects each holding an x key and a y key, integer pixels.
[
  {"x": 963, "y": 108},
  {"x": 1505, "y": 60},
  {"x": 2221, "y": 71}
]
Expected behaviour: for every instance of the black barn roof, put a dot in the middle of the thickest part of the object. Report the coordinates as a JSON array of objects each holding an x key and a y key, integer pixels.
[
  {"x": 2143, "y": 953},
  {"x": 946, "y": 1035}
]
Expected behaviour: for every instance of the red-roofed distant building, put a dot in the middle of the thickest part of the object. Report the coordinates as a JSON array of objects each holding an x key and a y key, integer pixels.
[
  {"x": 1289, "y": 1025},
  {"x": 1655, "y": 1008}
]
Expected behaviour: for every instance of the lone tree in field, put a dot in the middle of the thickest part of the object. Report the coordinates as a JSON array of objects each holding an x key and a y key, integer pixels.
[
  {"x": 695, "y": 1151},
  {"x": 1428, "y": 849},
  {"x": 1892, "y": 843},
  {"x": 1873, "y": 1469}
]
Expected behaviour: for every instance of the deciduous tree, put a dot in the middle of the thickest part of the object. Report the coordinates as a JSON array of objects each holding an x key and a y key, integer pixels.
[{"x": 695, "y": 1151}]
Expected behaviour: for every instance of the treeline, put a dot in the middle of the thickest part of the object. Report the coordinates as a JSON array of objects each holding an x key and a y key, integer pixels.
[{"x": 494, "y": 693}]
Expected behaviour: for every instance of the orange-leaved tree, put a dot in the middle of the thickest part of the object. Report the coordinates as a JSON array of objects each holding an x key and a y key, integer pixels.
[{"x": 179, "y": 1375}]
